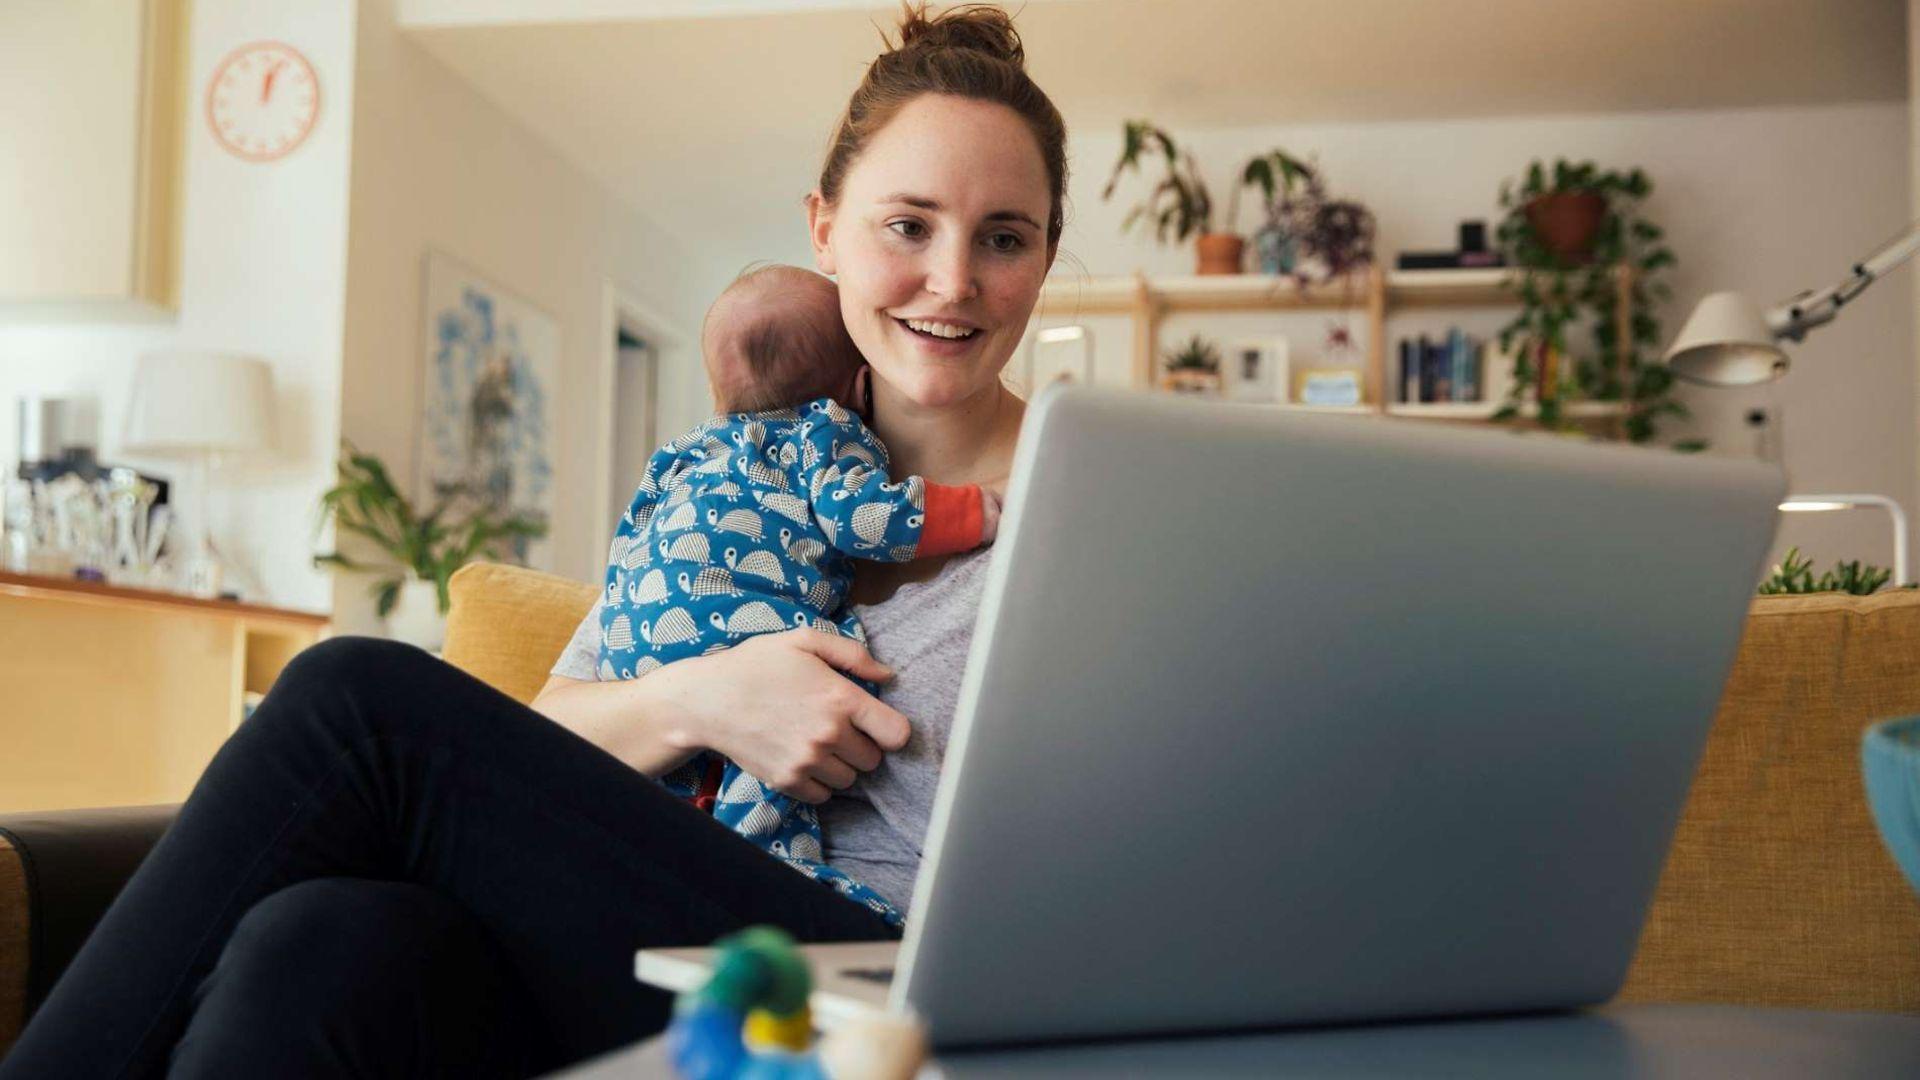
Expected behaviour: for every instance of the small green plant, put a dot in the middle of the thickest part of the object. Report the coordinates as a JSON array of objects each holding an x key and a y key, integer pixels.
[
  {"x": 1794, "y": 575},
  {"x": 1557, "y": 293},
  {"x": 1198, "y": 354},
  {"x": 455, "y": 531},
  {"x": 1181, "y": 205}
]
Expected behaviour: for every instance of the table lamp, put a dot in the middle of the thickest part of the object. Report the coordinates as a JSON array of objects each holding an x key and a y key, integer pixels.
[
  {"x": 1819, "y": 503},
  {"x": 199, "y": 405},
  {"x": 1729, "y": 341}
]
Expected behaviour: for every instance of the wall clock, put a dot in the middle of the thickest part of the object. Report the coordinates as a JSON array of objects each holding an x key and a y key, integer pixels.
[{"x": 263, "y": 100}]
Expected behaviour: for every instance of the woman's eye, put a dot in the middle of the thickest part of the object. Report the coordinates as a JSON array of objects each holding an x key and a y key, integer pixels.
[
  {"x": 912, "y": 230},
  {"x": 1005, "y": 242}
]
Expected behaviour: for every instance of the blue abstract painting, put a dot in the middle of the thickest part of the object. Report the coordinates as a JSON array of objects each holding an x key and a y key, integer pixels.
[{"x": 491, "y": 360}]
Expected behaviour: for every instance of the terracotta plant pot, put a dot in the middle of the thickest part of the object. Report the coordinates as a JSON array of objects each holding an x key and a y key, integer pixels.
[
  {"x": 1220, "y": 253},
  {"x": 1191, "y": 381},
  {"x": 1567, "y": 221}
]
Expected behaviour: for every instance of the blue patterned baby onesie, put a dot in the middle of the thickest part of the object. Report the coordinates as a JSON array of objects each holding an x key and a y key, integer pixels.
[{"x": 749, "y": 524}]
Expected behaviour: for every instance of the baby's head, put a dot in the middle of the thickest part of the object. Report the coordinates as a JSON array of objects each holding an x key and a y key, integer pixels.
[{"x": 775, "y": 338}]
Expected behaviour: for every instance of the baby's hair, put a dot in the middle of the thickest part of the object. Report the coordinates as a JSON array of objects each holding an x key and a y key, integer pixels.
[
  {"x": 971, "y": 51},
  {"x": 768, "y": 350}
]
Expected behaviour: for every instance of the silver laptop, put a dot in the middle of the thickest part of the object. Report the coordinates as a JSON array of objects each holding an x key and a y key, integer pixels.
[{"x": 1275, "y": 718}]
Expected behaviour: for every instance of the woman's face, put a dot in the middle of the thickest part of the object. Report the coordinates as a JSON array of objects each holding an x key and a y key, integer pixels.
[{"x": 940, "y": 231}]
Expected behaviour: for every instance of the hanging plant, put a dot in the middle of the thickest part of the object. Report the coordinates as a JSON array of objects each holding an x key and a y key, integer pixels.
[{"x": 1565, "y": 231}]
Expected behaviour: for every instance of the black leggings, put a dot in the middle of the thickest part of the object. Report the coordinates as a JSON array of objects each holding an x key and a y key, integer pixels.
[{"x": 393, "y": 868}]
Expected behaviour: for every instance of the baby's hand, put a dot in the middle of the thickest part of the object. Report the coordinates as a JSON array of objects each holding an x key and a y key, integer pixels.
[{"x": 991, "y": 496}]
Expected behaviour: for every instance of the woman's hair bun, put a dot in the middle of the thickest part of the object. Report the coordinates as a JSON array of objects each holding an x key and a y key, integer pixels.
[{"x": 979, "y": 27}]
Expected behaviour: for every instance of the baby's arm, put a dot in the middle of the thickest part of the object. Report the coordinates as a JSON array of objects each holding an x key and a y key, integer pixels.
[{"x": 868, "y": 517}]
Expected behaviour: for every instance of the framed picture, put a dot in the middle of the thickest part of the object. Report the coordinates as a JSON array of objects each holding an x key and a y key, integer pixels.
[
  {"x": 490, "y": 364},
  {"x": 1256, "y": 370},
  {"x": 1057, "y": 353}
]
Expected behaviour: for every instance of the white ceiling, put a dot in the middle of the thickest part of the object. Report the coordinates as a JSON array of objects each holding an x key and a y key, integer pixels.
[{"x": 686, "y": 115}]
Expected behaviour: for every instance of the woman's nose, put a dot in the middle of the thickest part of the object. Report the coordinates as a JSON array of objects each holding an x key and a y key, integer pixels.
[{"x": 950, "y": 273}]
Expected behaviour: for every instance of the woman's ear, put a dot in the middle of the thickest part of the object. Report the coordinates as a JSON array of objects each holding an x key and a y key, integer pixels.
[{"x": 819, "y": 230}]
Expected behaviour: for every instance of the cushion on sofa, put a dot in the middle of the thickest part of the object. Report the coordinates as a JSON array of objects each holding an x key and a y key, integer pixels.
[
  {"x": 508, "y": 624},
  {"x": 1778, "y": 890}
]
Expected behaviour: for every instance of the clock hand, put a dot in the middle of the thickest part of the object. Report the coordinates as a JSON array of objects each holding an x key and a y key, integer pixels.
[{"x": 266, "y": 86}]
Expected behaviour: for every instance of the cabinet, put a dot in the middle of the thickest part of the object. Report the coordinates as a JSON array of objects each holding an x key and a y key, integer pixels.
[
  {"x": 93, "y": 140},
  {"x": 119, "y": 697},
  {"x": 1380, "y": 293}
]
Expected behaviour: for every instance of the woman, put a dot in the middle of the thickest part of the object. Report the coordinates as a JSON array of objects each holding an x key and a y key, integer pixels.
[{"x": 393, "y": 868}]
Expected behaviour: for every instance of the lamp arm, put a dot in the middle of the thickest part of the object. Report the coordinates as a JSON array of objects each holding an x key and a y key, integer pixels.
[{"x": 1792, "y": 318}]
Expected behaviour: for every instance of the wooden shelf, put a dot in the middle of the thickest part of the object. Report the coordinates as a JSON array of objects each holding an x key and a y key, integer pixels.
[
  {"x": 1379, "y": 293},
  {"x": 1488, "y": 287},
  {"x": 1484, "y": 410}
]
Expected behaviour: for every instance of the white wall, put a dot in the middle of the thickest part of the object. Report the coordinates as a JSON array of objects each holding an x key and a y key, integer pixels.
[
  {"x": 1766, "y": 201},
  {"x": 263, "y": 272},
  {"x": 437, "y": 166}
]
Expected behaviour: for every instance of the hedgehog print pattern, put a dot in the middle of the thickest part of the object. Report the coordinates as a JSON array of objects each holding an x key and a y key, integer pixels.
[{"x": 750, "y": 524}]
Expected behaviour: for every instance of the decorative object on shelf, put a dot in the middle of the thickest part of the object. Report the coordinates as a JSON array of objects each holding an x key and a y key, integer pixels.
[
  {"x": 203, "y": 405},
  {"x": 750, "y": 1021},
  {"x": 422, "y": 550},
  {"x": 1257, "y": 370},
  {"x": 1180, "y": 205},
  {"x": 1472, "y": 253},
  {"x": 1333, "y": 238},
  {"x": 1193, "y": 368},
  {"x": 490, "y": 367},
  {"x": 263, "y": 101},
  {"x": 1890, "y": 768},
  {"x": 1277, "y": 174},
  {"x": 1057, "y": 353},
  {"x": 1728, "y": 341},
  {"x": 1824, "y": 503},
  {"x": 1561, "y": 283},
  {"x": 1339, "y": 386},
  {"x": 1794, "y": 575}
]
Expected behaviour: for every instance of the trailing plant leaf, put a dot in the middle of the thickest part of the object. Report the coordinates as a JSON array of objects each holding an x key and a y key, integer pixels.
[{"x": 1179, "y": 204}]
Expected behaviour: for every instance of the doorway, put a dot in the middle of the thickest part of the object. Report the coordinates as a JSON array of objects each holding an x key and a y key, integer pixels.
[{"x": 634, "y": 345}]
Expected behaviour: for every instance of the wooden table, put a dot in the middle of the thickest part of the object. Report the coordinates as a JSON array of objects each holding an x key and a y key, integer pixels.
[{"x": 114, "y": 696}]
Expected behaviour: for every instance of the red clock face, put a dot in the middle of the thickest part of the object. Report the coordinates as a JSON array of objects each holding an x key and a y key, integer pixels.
[{"x": 263, "y": 100}]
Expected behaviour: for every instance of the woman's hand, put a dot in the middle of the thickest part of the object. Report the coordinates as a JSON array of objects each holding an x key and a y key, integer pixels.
[{"x": 778, "y": 705}]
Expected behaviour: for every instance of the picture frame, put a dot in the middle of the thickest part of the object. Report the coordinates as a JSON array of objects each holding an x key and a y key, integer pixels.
[
  {"x": 490, "y": 365},
  {"x": 1256, "y": 370}
]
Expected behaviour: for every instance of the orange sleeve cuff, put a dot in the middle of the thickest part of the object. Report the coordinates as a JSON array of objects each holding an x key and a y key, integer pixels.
[{"x": 954, "y": 520}]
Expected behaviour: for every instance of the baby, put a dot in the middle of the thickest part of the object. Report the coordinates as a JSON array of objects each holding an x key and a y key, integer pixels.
[{"x": 749, "y": 524}]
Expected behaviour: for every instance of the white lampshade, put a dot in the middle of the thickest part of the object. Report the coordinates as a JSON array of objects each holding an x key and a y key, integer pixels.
[
  {"x": 199, "y": 402},
  {"x": 1726, "y": 342}
]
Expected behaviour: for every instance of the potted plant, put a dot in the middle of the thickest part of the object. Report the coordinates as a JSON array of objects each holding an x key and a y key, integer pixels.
[
  {"x": 1193, "y": 368},
  {"x": 1564, "y": 280},
  {"x": 1180, "y": 204},
  {"x": 1276, "y": 173},
  {"x": 422, "y": 550},
  {"x": 1332, "y": 237},
  {"x": 1794, "y": 575}
]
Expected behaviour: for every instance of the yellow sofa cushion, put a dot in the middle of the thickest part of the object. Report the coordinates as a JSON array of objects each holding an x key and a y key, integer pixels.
[
  {"x": 507, "y": 624},
  {"x": 1777, "y": 890}
]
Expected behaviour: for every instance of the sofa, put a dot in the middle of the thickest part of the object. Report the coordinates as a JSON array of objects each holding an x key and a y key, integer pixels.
[{"x": 1777, "y": 890}]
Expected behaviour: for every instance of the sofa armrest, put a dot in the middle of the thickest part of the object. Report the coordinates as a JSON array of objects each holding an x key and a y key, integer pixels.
[{"x": 59, "y": 869}]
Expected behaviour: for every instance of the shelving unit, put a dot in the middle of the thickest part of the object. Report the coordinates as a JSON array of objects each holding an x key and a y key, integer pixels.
[{"x": 1148, "y": 301}]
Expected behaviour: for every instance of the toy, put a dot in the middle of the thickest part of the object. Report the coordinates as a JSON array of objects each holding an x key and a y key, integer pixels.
[{"x": 750, "y": 1021}]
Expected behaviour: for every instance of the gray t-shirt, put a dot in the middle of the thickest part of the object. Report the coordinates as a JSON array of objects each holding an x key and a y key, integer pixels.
[{"x": 874, "y": 830}]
